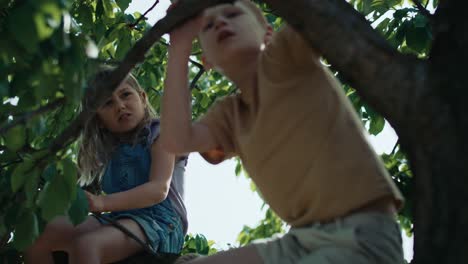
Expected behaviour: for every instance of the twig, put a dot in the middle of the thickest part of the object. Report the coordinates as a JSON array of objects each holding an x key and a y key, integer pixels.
[
  {"x": 30, "y": 115},
  {"x": 197, "y": 77},
  {"x": 422, "y": 9},
  {"x": 143, "y": 16},
  {"x": 394, "y": 147}
]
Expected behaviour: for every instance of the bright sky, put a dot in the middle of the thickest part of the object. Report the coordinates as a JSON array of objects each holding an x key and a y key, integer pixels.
[{"x": 219, "y": 203}]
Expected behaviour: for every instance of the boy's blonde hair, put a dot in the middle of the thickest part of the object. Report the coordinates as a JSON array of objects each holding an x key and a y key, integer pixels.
[
  {"x": 256, "y": 11},
  {"x": 96, "y": 143}
]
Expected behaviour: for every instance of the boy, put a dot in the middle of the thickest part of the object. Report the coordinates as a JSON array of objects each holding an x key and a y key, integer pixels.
[{"x": 296, "y": 134}]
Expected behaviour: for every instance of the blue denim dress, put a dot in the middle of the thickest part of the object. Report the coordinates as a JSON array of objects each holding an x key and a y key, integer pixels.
[{"x": 162, "y": 224}]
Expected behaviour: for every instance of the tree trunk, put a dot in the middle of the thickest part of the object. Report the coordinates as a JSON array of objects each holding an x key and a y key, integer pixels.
[{"x": 438, "y": 150}]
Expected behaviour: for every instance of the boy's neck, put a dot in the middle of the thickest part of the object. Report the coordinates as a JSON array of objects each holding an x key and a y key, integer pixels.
[{"x": 244, "y": 75}]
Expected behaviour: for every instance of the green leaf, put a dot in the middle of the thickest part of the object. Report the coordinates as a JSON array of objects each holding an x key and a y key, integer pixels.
[
  {"x": 238, "y": 168},
  {"x": 123, "y": 4},
  {"x": 417, "y": 38},
  {"x": 49, "y": 173},
  {"x": 26, "y": 231},
  {"x": 364, "y": 6},
  {"x": 402, "y": 31},
  {"x": 15, "y": 138},
  {"x": 20, "y": 173},
  {"x": 125, "y": 43},
  {"x": 70, "y": 175},
  {"x": 3, "y": 228},
  {"x": 4, "y": 87},
  {"x": 205, "y": 102},
  {"x": 108, "y": 8},
  {"x": 84, "y": 15},
  {"x": 377, "y": 124},
  {"x": 55, "y": 198},
  {"x": 79, "y": 208},
  {"x": 47, "y": 20},
  {"x": 99, "y": 9},
  {"x": 20, "y": 24},
  {"x": 31, "y": 187}
]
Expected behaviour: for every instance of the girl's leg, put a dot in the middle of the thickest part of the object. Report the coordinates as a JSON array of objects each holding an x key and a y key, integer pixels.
[
  {"x": 106, "y": 244},
  {"x": 246, "y": 255},
  {"x": 56, "y": 236}
]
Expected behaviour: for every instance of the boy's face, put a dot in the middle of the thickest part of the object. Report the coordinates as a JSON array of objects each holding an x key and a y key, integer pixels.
[{"x": 229, "y": 31}]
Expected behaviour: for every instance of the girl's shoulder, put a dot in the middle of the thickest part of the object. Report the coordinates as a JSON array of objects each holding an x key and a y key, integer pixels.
[{"x": 151, "y": 131}]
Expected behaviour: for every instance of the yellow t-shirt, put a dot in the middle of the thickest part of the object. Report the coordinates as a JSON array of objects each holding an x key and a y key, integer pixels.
[{"x": 299, "y": 137}]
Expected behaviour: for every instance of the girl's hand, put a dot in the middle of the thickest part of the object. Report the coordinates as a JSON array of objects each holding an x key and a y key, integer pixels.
[{"x": 95, "y": 202}]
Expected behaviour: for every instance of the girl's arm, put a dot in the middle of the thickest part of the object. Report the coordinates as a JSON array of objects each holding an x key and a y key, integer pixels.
[
  {"x": 178, "y": 134},
  {"x": 150, "y": 193}
]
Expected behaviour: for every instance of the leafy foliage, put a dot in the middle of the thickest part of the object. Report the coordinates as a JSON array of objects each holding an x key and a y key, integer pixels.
[
  {"x": 198, "y": 244},
  {"x": 48, "y": 51},
  {"x": 268, "y": 227}
]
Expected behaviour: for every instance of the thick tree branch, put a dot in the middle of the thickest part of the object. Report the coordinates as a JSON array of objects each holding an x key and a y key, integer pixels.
[
  {"x": 179, "y": 14},
  {"x": 27, "y": 116},
  {"x": 385, "y": 79}
]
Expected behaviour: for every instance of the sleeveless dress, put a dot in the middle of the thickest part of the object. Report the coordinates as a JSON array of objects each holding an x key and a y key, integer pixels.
[{"x": 165, "y": 223}]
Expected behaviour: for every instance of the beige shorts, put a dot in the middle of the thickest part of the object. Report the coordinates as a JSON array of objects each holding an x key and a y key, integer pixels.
[{"x": 359, "y": 238}]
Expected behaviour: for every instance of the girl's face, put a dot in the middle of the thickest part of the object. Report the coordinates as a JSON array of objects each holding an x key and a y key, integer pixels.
[{"x": 124, "y": 110}]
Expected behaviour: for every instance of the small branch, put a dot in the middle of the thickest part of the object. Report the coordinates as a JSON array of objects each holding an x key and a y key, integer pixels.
[
  {"x": 394, "y": 147},
  {"x": 30, "y": 115},
  {"x": 196, "y": 64},
  {"x": 143, "y": 16},
  {"x": 422, "y": 9},
  {"x": 197, "y": 77}
]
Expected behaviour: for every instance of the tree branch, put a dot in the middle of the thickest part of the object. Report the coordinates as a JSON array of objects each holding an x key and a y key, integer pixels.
[
  {"x": 422, "y": 9},
  {"x": 197, "y": 77},
  {"x": 182, "y": 12},
  {"x": 27, "y": 116},
  {"x": 387, "y": 80}
]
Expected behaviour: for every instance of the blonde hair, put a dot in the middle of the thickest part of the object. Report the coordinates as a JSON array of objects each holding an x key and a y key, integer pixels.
[
  {"x": 96, "y": 143},
  {"x": 256, "y": 11}
]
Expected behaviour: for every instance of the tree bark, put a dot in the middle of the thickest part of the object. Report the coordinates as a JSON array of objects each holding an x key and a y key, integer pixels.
[{"x": 439, "y": 149}]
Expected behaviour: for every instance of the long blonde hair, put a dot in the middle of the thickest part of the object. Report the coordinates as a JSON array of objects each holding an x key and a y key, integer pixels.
[{"x": 96, "y": 143}]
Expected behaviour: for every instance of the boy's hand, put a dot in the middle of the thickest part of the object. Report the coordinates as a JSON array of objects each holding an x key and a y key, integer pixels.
[
  {"x": 95, "y": 202},
  {"x": 181, "y": 38}
]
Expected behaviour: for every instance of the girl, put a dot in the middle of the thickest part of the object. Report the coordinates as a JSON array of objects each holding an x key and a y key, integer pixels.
[{"x": 142, "y": 182}]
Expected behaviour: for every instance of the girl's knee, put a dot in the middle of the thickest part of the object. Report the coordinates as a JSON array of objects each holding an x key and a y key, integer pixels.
[
  {"x": 83, "y": 245},
  {"x": 84, "y": 249}
]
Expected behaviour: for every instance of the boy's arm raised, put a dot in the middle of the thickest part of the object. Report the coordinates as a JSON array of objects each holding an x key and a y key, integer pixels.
[{"x": 178, "y": 134}]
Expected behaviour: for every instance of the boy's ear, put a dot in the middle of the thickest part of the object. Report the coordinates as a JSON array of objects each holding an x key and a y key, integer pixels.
[
  {"x": 206, "y": 64},
  {"x": 268, "y": 34}
]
